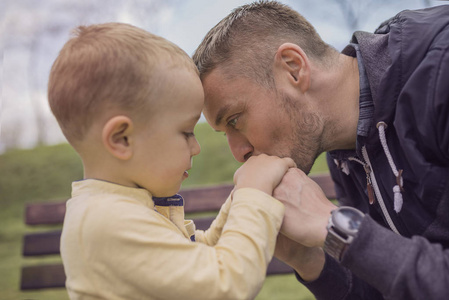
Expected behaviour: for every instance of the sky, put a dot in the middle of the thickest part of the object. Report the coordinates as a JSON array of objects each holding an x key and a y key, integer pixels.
[{"x": 32, "y": 33}]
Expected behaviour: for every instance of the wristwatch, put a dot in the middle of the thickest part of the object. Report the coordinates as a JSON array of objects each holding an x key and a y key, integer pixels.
[{"x": 344, "y": 223}]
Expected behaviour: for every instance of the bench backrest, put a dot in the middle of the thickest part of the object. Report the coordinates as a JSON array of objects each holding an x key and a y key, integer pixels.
[{"x": 202, "y": 199}]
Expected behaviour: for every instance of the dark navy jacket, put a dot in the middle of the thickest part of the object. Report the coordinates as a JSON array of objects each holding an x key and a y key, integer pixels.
[{"x": 407, "y": 67}]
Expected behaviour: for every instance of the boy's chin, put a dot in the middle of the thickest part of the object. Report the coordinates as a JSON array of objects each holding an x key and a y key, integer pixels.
[{"x": 169, "y": 191}]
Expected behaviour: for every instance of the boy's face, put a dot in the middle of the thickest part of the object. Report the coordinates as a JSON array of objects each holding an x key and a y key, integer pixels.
[{"x": 165, "y": 145}]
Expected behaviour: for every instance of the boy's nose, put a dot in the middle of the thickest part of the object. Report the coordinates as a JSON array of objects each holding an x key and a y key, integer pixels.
[{"x": 195, "y": 148}]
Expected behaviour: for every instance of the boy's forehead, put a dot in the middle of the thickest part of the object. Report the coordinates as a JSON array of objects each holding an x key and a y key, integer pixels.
[
  {"x": 180, "y": 94},
  {"x": 177, "y": 115}
]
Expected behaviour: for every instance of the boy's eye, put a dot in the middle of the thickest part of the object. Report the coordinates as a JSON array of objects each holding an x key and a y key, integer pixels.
[{"x": 189, "y": 134}]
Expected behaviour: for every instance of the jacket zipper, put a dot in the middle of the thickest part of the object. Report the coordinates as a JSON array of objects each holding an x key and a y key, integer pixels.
[
  {"x": 372, "y": 184},
  {"x": 369, "y": 184}
]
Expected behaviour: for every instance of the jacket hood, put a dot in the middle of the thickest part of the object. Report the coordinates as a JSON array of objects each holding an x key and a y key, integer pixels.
[{"x": 400, "y": 44}]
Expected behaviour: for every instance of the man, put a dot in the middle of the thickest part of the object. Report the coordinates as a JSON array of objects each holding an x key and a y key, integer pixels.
[{"x": 380, "y": 109}]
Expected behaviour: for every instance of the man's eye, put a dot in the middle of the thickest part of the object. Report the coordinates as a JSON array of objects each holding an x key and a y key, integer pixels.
[{"x": 233, "y": 122}]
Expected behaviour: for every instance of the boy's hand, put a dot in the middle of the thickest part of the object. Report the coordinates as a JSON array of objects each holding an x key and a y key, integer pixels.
[{"x": 262, "y": 172}]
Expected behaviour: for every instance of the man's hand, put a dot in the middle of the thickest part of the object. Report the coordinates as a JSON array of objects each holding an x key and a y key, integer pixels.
[
  {"x": 303, "y": 231},
  {"x": 307, "y": 210}
]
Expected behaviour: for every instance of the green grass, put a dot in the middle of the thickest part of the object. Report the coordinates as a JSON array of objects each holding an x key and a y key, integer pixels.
[{"x": 46, "y": 173}]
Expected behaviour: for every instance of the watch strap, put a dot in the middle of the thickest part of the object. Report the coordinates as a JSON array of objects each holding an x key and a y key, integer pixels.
[{"x": 334, "y": 245}]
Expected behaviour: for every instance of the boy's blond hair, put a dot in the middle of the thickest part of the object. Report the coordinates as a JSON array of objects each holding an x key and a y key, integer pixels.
[{"x": 108, "y": 66}]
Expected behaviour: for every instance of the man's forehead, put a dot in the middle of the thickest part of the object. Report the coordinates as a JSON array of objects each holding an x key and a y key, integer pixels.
[
  {"x": 223, "y": 95},
  {"x": 215, "y": 82}
]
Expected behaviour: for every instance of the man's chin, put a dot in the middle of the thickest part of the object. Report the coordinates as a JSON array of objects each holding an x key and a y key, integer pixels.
[{"x": 304, "y": 165}]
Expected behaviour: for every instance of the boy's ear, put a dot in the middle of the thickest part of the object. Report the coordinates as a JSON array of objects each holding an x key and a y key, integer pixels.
[
  {"x": 292, "y": 63},
  {"x": 116, "y": 137}
]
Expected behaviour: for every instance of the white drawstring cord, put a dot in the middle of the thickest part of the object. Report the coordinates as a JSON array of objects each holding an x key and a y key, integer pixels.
[
  {"x": 398, "y": 200},
  {"x": 373, "y": 182},
  {"x": 342, "y": 165}
]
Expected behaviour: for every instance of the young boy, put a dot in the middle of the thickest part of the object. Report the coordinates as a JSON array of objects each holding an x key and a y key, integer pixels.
[{"x": 128, "y": 101}]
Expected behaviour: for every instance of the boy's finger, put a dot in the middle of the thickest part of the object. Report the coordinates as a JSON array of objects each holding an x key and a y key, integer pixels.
[{"x": 290, "y": 162}]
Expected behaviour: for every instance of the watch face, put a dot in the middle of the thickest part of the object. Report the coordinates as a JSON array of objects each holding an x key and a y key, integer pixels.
[{"x": 347, "y": 220}]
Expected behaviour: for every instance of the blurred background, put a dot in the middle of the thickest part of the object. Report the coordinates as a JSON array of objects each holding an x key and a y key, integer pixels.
[
  {"x": 33, "y": 31},
  {"x": 36, "y": 163}
]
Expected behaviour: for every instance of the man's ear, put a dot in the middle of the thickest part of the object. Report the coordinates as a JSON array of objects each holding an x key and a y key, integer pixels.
[
  {"x": 293, "y": 64},
  {"x": 116, "y": 137}
]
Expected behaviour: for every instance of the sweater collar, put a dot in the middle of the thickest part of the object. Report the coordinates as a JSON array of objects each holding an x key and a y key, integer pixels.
[{"x": 101, "y": 187}]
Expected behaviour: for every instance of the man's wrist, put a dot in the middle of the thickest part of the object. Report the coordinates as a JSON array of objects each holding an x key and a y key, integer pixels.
[
  {"x": 342, "y": 227},
  {"x": 309, "y": 265}
]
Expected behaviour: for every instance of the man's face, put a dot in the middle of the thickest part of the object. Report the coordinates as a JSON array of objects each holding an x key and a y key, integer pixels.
[{"x": 257, "y": 120}]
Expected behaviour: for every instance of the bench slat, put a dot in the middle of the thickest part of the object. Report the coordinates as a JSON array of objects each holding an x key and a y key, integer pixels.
[
  {"x": 326, "y": 184},
  {"x": 205, "y": 199},
  {"x": 44, "y": 213},
  {"x": 43, "y": 276},
  {"x": 47, "y": 243},
  {"x": 196, "y": 200},
  {"x": 42, "y": 243},
  {"x": 53, "y": 276}
]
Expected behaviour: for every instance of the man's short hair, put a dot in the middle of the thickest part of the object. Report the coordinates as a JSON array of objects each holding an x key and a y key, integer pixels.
[
  {"x": 108, "y": 66},
  {"x": 245, "y": 42}
]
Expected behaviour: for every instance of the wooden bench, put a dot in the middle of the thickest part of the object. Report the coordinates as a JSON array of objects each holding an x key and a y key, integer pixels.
[{"x": 35, "y": 244}]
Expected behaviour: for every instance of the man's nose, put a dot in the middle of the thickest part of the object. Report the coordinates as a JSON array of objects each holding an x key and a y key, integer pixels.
[{"x": 241, "y": 148}]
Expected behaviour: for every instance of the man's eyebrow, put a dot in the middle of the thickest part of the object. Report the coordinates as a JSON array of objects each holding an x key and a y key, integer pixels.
[{"x": 221, "y": 113}]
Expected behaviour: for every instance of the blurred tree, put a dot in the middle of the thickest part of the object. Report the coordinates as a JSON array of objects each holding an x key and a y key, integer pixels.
[
  {"x": 356, "y": 12},
  {"x": 35, "y": 31}
]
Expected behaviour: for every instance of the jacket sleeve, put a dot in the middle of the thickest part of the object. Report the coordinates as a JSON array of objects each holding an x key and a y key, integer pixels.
[
  {"x": 416, "y": 269},
  {"x": 339, "y": 283}
]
